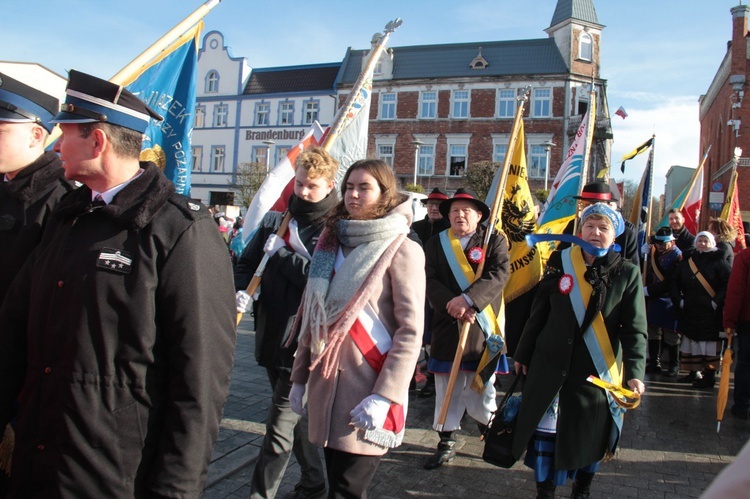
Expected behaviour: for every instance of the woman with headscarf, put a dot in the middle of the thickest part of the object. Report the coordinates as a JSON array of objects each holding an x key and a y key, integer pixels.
[
  {"x": 698, "y": 287},
  {"x": 360, "y": 328},
  {"x": 588, "y": 318}
]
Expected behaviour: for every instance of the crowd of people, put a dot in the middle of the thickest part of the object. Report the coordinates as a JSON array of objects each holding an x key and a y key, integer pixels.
[{"x": 119, "y": 320}]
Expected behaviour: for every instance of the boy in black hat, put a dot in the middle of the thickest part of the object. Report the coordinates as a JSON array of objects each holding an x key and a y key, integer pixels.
[
  {"x": 32, "y": 181},
  {"x": 456, "y": 298},
  {"x": 118, "y": 335}
]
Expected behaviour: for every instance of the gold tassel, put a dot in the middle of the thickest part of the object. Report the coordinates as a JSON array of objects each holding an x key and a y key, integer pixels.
[{"x": 6, "y": 449}]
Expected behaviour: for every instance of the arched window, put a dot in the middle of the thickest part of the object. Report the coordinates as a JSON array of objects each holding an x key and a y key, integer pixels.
[
  {"x": 585, "y": 47},
  {"x": 212, "y": 82}
]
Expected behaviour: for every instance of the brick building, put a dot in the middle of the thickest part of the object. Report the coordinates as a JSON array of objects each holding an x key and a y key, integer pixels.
[
  {"x": 440, "y": 108},
  {"x": 725, "y": 122}
]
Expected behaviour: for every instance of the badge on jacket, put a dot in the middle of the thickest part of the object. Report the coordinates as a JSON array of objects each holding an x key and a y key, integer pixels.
[{"x": 115, "y": 260}]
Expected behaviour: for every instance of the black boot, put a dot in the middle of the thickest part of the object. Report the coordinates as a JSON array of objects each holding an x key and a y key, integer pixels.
[
  {"x": 545, "y": 490},
  {"x": 582, "y": 485},
  {"x": 445, "y": 451},
  {"x": 674, "y": 361},
  {"x": 654, "y": 365},
  {"x": 707, "y": 381}
]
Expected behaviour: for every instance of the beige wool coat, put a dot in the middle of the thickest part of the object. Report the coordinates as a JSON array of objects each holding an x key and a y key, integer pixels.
[{"x": 399, "y": 302}]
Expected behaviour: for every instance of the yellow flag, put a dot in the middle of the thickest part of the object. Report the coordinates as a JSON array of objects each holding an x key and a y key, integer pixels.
[{"x": 518, "y": 220}]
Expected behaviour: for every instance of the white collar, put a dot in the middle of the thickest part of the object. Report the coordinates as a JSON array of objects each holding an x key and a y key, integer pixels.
[{"x": 109, "y": 194}]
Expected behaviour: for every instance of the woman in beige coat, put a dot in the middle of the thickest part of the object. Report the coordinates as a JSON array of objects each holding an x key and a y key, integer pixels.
[{"x": 360, "y": 328}]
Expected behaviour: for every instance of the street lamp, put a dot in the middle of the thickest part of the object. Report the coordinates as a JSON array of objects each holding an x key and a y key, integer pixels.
[
  {"x": 268, "y": 144},
  {"x": 417, "y": 144},
  {"x": 547, "y": 147}
]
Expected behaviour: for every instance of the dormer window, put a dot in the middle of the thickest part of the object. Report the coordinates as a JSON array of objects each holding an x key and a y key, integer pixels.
[
  {"x": 585, "y": 47},
  {"x": 212, "y": 82},
  {"x": 479, "y": 62}
]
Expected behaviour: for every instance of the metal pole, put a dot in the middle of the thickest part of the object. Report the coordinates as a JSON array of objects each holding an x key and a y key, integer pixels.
[
  {"x": 417, "y": 144},
  {"x": 547, "y": 147},
  {"x": 268, "y": 144}
]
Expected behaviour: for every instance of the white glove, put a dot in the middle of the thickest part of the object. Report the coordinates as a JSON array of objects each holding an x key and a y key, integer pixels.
[
  {"x": 646, "y": 248},
  {"x": 243, "y": 301},
  {"x": 371, "y": 412},
  {"x": 273, "y": 244},
  {"x": 682, "y": 303},
  {"x": 714, "y": 305},
  {"x": 645, "y": 290},
  {"x": 296, "y": 394}
]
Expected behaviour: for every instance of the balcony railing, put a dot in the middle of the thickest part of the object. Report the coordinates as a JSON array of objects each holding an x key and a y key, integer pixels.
[{"x": 602, "y": 127}]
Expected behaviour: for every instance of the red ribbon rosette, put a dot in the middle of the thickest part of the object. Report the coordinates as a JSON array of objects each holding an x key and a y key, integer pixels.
[
  {"x": 565, "y": 284},
  {"x": 476, "y": 254}
]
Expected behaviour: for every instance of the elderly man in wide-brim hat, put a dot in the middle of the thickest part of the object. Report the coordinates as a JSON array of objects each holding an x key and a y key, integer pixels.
[
  {"x": 663, "y": 257},
  {"x": 452, "y": 258},
  {"x": 118, "y": 334}
]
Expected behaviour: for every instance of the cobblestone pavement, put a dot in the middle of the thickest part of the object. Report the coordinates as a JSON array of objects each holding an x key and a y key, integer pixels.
[{"x": 669, "y": 447}]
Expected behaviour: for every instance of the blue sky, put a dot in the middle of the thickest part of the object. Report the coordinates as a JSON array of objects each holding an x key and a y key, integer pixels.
[{"x": 658, "y": 56}]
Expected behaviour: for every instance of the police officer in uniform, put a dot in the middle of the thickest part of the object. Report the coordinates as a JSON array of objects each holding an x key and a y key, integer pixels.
[{"x": 118, "y": 334}]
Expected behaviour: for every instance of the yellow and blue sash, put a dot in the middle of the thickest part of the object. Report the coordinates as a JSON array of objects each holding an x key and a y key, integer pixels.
[
  {"x": 596, "y": 337},
  {"x": 486, "y": 319}
]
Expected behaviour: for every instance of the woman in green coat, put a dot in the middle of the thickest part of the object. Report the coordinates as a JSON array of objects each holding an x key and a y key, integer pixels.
[{"x": 588, "y": 318}]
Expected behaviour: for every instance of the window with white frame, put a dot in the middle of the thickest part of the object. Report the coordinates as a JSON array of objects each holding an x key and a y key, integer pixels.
[
  {"x": 312, "y": 109},
  {"x": 427, "y": 105},
  {"x": 585, "y": 47},
  {"x": 388, "y": 106},
  {"x": 217, "y": 158},
  {"x": 460, "y": 104},
  {"x": 498, "y": 155},
  {"x": 385, "y": 153},
  {"x": 262, "y": 110},
  {"x": 212, "y": 82},
  {"x": 281, "y": 152},
  {"x": 286, "y": 113},
  {"x": 260, "y": 154},
  {"x": 542, "y": 102},
  {"x": 200, "y": 116},
  {"x": 427, "y": 160},
  {"x": 221, "y": 113},
  {"x": 197, "y": 158},
  {"x": 506, "y": 103},
  {"x": 456, "y": 160},
  {"x": 537, "y": 161}
]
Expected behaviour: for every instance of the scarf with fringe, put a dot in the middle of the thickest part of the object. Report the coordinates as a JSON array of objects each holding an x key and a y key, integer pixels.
[{"x": 332, "y": 300}]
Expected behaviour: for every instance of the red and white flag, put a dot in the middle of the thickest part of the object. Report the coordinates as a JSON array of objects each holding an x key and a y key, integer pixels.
[
  {"x": 621, "y": 112},
  {"x": 691, "y": 209},
  {"x": 275, "y": 190}
]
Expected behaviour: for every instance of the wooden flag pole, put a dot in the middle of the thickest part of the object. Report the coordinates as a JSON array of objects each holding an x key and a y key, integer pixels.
[
  {"x": 492, "y": 222},
  {"x": 342, "y": 119}
]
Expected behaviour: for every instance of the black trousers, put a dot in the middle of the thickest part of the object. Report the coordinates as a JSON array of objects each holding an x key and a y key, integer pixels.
[{"x": 349, "y": 475}]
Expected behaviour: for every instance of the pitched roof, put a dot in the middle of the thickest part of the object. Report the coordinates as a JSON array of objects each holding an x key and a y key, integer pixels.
[
  {"x": 292, "y": 79},
  {"x": 517, "y": 57},
  {"x": 580, "y": 10}
]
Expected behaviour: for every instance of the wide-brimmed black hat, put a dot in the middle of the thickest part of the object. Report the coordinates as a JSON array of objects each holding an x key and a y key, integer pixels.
[
  {"x": 437, "y": 194},
  {"x": 90, "y": 99},
  {"x": 664, "y": 234},
  {"x": 20, "y": 103},
  {"x": 597, "y": 192},
  {"x": 465, "y": 195}
]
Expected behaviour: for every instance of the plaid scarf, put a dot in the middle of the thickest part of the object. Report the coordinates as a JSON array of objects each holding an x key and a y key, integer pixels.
[{"x": 332, "y": 300}]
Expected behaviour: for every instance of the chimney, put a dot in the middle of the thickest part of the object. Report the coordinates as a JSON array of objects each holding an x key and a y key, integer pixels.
[{"x": 739, "y": 43}]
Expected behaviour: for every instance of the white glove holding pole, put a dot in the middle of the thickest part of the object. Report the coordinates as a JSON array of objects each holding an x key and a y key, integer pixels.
[
  {"x": 371, "y": 412},
  {"x": 243, "y": 301},
  {"x": 273, "y": 244},
  {"x": 296, "y": 395}
]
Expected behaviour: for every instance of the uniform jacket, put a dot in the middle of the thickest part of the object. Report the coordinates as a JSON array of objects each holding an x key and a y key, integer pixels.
[
  {"x": 737, "y": 301},
  {"x": 661, "y": 311},
  {"x": 25, "y": 205},
  {"x": 442, "y": 288},
  {"x": 281, "y": 290},
  {"x": 697, "y": 318},
  {"x": 558, "y": 360},
  {"x": 118, "y": 339},
  {"x": 398, "y": 301}
]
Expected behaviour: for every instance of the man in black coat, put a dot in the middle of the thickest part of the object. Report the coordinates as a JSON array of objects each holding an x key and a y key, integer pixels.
[
  {"x": 32, "y": 184},
  {"x": 683, "y": 238},
  {"x": 282, "y": 284},
  {"x": 118, "y": 335}
]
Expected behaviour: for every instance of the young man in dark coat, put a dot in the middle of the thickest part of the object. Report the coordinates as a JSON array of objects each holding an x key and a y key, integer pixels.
[
  {"x": 118, "y": 334},
  {"x": 32, "y": 184},
  {"x": 683, "y": 238},
  {"x": 282, "y": 284},
  {"x": 455, "y": 304},
  {"x": 33, "y": 180}
]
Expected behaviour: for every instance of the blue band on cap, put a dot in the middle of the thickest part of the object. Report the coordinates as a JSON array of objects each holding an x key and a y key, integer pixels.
[
  {"x": 112, "y": 116},
  {"x": 27, "y": 106}
]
